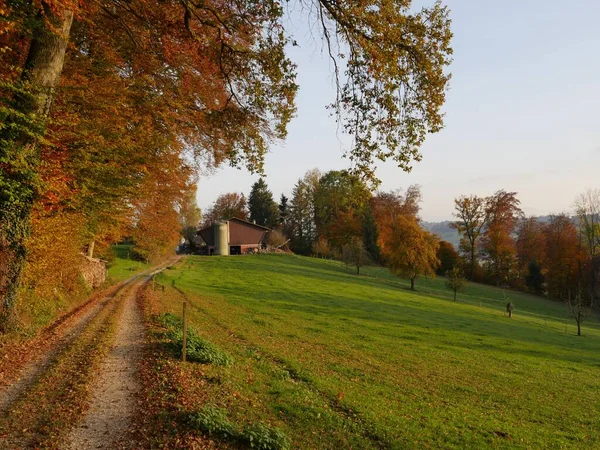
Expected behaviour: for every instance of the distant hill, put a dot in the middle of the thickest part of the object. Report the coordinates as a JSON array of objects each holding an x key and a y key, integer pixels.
[
  {"x": 446, "y": 233},
  {"x": 443, "y": 231}
]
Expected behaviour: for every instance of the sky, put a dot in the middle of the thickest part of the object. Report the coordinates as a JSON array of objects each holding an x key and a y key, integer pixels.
[{"x": 521, "y": 113}]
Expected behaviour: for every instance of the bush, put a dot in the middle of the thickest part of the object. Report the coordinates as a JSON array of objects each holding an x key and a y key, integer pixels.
[
  {"x": 214, "y": 421},
  {"x": 197, "y": 349},
  {"x": 139, "y": 254},
  {"x": 275, "y": 238},
  {"x": 264, "y": 437}
]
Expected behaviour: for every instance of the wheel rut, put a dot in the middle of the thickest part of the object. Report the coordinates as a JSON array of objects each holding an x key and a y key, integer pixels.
[
  {"x": 39, "y": 364},
  {"x": 113, "y": 395},
  {"x": 112, "y": 389}
]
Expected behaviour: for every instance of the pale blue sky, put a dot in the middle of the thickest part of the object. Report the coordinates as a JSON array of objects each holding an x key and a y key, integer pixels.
[{"x": 522, "y": 113}]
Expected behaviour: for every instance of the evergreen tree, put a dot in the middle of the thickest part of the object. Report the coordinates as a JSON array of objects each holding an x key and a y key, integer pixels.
[
  {"x": 370, "y": 235},
  {"x": 263, "y": 209},
  {"x": 302, "y": 213},
  {"x": 535, "y": 278},
  {"x": 283, "y": 210}
]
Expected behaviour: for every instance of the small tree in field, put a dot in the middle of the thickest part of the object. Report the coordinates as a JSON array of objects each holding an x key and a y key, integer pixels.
[
  {"x": 321, "y": 248},
  {"x": 409, "y": 250},
  {"x": 455, "y": 280},
  {"x": 354, "y": 254},
  {"x": 578, "y": 310}
]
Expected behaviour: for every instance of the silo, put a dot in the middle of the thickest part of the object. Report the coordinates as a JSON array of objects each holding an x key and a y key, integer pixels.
[{"x": 222, "y": 238}]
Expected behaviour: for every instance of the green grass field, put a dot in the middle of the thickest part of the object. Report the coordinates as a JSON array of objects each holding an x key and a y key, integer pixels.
[
  {"x": 122, "y": 267},
  {"x": 340, "y": 361}
]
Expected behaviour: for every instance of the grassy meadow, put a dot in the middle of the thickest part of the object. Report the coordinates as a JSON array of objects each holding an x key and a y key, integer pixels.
[
  {"x": 336, "y": 360},
  {"x": 122, "y": 267}
]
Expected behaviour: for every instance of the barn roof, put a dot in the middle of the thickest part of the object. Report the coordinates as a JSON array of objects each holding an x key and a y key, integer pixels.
[{"x": 249, "y": 223}]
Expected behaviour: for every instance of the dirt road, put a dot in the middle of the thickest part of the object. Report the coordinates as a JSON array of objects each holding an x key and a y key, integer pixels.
[
  {"x": 71, "y": 363},
  {"x": 113, "y": 394}
]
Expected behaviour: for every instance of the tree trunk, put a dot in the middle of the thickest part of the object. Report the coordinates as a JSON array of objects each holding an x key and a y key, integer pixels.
[
  {"x": 593, "y": 281},
  {"x": 412, "y": 284},
  {"x": 472, "y": 262},
  {"x": 90, "y": 251},
  {"x": 578, "y": 328},
  {"x": 357, "y": 270},
  {"x": 41, "y": 74},
  {"x": 455, "y": 295}
]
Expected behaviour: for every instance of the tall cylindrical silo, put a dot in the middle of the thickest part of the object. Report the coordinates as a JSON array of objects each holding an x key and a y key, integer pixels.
[{"x": 222, "y": 238}]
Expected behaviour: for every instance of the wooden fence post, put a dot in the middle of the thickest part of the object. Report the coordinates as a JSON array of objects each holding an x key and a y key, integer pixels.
[{"x": 184, "y": 331}]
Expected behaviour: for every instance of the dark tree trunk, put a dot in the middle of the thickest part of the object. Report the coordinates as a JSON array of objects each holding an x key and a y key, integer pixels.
[
  {"x": 455, "y": 295},
  {"x": 412, "y": 284},
  {"x": 578, "y": 328},
  {"x": 357, "y": 270},
  {"x": 41, "y": 74}
]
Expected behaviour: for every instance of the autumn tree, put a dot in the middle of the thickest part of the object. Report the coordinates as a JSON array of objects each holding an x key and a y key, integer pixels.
[
  {"x": 409, "y": 250},
  {"x": 387, "y": 205},
  {"x": 455, "y": 280},
  {"x": 321, "y": 248},
  {"x": 498, "y": 245},
  {"x": 531, "y": 253},
  {"x": 263, "y": 210},
  {"x": 158, "y": 212},
  {"x": 562, "y": 256},
  {"x": 345, "y": 227},
  {"x": 530, "y": 242},
  {"x": 354, "y": 254},
  {"x": 190, "y": 216},
  {"x": 470, "y": 212},
  {"x": 227, "y": 206},
  {"x": 338, "y": 196},
  {"x": 132, "y": 51},
  {"x": 448, "y": 256},
  {"x": 587, "y": 208}
]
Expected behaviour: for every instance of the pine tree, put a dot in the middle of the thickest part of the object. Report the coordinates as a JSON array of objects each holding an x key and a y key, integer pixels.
[
  {"x": 263, "y": 209},
  {"x": 283, "y": 210},
  {"x": 370, "y": 235}
]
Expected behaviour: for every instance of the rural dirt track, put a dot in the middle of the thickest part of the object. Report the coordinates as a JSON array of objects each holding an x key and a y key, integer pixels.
[
  {"x": 113, "y": 395},
  {"x": 57, "y": 340},
  {"x": 112, "y": 392}
]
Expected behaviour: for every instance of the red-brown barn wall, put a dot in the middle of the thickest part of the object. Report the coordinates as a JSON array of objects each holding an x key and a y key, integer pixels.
[{"x": 244, "y": 234}]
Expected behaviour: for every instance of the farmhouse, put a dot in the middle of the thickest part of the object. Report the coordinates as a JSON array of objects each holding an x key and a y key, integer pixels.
[{"x": 233, "y": 237}]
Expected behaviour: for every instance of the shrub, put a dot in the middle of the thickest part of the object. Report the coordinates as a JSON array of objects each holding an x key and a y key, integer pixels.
[
  {"x": 197, "y": 349},
  {"x": 139, "y": 254},
  {"x": 264, "y": 437},
  {"x": 213, "y": 421},
  {"x": 276, "y": 238}
]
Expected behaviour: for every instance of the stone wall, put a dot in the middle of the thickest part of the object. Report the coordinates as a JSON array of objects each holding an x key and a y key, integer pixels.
[{"x": 93, "y": 271}]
